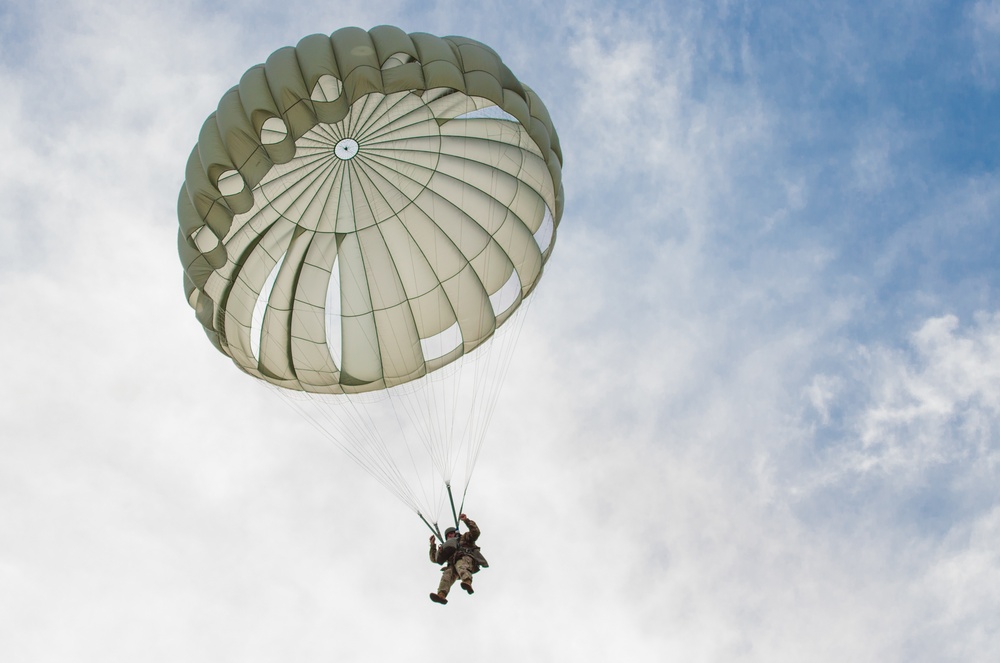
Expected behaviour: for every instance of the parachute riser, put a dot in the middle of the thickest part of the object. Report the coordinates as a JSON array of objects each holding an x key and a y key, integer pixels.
[
  {"x": 451, "y": 500},
  {"x": 433, "y": 528}
]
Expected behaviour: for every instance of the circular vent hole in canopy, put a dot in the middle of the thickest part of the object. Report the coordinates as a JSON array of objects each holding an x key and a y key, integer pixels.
[
  {"x": 327, "y": 88},
  {"x": 397, "y": 59},
  {"x": 231, "y": 183},
  {"x": 273, "y": 131}
]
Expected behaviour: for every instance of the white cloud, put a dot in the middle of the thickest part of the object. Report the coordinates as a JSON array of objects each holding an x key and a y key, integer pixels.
[
  {"x": 965, "y": 583},
  {"x": 638, "y": 119},
  {"x": 940, "y": 409},
  {"x": 917, "y": 466}
]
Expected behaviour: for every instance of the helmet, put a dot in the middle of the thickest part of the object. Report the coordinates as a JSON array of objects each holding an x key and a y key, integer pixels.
[{"x": 451, "y": 530}]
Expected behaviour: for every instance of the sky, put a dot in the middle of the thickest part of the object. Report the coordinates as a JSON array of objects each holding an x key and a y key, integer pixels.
[{"x": 755, "y": 410}]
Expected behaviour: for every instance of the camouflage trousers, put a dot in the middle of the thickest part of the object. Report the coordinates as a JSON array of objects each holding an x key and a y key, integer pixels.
[{"x": 462, "y": 570}]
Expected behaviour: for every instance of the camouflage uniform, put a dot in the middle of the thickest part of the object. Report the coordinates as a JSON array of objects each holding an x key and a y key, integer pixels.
[{"x": 462, "y": 563}]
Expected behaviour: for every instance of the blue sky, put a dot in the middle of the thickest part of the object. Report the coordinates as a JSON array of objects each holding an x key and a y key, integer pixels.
[{"x": 754, "y": 414}]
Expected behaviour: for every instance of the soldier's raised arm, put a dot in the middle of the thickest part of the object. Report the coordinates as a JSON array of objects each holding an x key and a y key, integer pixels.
[
  {"x": 473, "y": 528},
  {"x": 434, "y": 550}
]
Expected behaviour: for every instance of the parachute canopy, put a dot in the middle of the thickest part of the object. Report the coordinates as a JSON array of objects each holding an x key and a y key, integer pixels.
[
  {"x": 366, "y": 208},
  {"x": 363, "y": 210}
]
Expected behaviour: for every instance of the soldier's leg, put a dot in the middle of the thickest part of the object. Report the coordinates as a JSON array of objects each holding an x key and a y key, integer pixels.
[
  {"x": 463, "y": 569},
  {"x": 448, "y": 578}
]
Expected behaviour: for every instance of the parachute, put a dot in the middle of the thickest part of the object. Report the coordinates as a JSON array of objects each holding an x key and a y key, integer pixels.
[{"x": 362, "y": 222}]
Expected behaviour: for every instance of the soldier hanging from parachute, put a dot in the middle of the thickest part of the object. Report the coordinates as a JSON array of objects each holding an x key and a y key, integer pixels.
[{"x": 461, "y": 557}]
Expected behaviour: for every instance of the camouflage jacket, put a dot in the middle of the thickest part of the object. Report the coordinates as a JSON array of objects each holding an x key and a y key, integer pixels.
[{"x": 466, "y": 548}]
